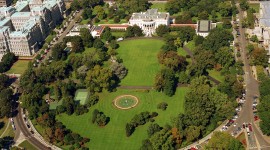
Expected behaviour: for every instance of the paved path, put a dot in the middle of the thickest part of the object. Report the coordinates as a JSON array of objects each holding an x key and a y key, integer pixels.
[{"x": 5, "y": 129}]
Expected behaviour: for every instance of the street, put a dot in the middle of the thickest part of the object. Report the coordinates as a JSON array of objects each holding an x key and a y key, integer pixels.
[{"x": 255, "y": 139}]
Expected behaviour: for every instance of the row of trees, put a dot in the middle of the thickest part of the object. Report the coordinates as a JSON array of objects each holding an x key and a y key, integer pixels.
[
  {"x": 139, "y": 119},
  {"x": 202, "y": 9},
  {"x": 6, "y": 97},
  {"x": 56, "y": 132},
  {"x": 7, "y": 61},
  {"x": 264, "y": 105}
]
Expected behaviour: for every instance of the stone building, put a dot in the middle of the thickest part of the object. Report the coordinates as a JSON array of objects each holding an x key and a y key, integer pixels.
[{"x": 148, "y": 21}]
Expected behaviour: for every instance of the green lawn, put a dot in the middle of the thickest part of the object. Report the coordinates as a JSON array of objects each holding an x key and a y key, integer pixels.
[
  {"x": 256, "y": 7},
  {"x": 159, "y": 6},
  {"x": 118, "y": 34},
  {"x": 216, "y": 74},
  {"x": 110, "y": 21},
  {"x": 181, "y": 52},
  {"x": 54, "y": 104},
  {"x": 9, "y": 131},
  {"x": 112, "y": 136},
  {"x": 27, "y": 146},
  {"x": 19, "y": 67},
  {"x": 140, "y": 58},
  {"x": 5, "y": 121}
]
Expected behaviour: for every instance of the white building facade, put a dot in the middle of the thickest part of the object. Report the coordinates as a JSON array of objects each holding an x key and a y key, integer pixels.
[{"x": 148, "y": 21}]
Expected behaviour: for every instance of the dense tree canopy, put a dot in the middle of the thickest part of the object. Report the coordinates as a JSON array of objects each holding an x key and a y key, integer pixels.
[
  {"x": 134, "y": 5},
  {"x": 223, "y": 140},
  {"x": 7, "y": 61}
]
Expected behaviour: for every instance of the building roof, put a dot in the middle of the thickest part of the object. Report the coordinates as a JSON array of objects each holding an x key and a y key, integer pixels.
[
  {"x": 7, "y": 9},
  {"x": 3, "y": 29},
  {"x": 77, "y": 28},
  {"x": 38, "y": 8},
  {"x": 265, "y": 14},
  {"x": 28, "y": 25},
  {"x": 20, "y": 5},
  {"x": 150, "y": 14},
  {"x": 21, "y": 14},
  {"x": 4, "y": 21},
  {"x": 18, "y": 34},
  {"x": 204, "y": 26}
]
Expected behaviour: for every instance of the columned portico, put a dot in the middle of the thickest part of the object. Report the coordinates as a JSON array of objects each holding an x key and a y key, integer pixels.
[{"x": 148, "y": 21}]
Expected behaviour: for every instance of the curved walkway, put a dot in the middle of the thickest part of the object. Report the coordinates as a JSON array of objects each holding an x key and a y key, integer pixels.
[
  {"x": 5, "y": 129},
  {"x": 190, "y": 53}
]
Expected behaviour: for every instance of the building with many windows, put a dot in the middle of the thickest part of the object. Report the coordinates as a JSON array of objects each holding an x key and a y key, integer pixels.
[
  {"x": 24, "y": 26},
  {"x": 148, "y": 21}
]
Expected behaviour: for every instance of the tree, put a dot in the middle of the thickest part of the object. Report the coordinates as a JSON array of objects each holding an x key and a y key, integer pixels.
[
  {"x": 162, "y": 106},
  {"x": 99, "y": 12},
  {"x": 4, "y": 79},
  {"x": 172, "y": 60},
  {"x": 137, "y": 30},
  {"x": 264, "y": 111},
  {"x": 58, "y": 51},
  {"x": 114, "y": 44},
  {"x": 98, "y": 44},
  {"x": 243, "y": 4},
  {"x": 259, "y": 57},
  {"x": 198, "y": 105},
  {"x": 94, "y": 115},
  {"x": 203, "y": 15},
  {"x": 215, "y": 41},
  {"x": 134, "y": 5},
  {"x": 86, "y": 37},
  {"x": 225, "y": 9},
  {"x": 87, "y": 13},
  {"x": 119, "y": 70},
  {"x": 223, "y": 140},
  {"x": 107, "y": 35},
  {"x": 99, "y": 78},
  {"x": 162, "y": 140},
  {"x": 7, "y": 61},
  {"x": 116, "y": 19},
  {"x": 198, "y": 40},
  {"x": 178, "y": 43},
  {"x": 77, "y": 44},
  {"x": 225, "y": 57},
  {"x": 166, "y": 81},
  {"x": 6, "y": 103},
  {"x": 101, "y": 119},
  {"x": 192, "y": 133},
  {"x": 254, "y": 38},
  {"x": 184, "y": 18},
  {"x": 129, "y": 129},
  {"x": 129, "y": 32},
  {"x": 173, "y": 6},
  {"x": 162, "y": 30},
  {"x": 75, "y": 5},
  {"x": 152, "y": 129}
]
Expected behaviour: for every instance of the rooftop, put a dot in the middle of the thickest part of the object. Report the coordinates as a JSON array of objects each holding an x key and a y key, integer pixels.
[
  {"x": 3, "y": 29},
  {"x": 18, "y": 34},
  {"x": 28, "y": 25},
  {"x": 204, "y": 26},
  {"x": 4, "y": 21},
  {"x": 20, "y": 5},
  {"x": 21, "y": 14},
  {"x": 150, "y": 14}
]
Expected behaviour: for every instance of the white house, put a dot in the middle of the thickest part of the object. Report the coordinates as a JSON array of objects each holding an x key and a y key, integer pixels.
[{"x": 148, "y": 21}]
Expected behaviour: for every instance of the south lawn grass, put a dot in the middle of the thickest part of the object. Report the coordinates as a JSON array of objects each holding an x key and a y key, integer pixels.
[
  {"x": 113, "y": 135},
  {"x": 140, "y": 58},
  {"x": 159, "y": 6},
  {"x": 27, "y": 146},
  {"x": 19, "y": 67},
  {"x": 5, "y": 121},
  {"x": 217, "y": 75},
  {"x": 256, "y": 7}
]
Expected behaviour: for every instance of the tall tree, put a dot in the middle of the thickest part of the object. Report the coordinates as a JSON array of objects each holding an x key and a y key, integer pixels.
[
  {"x": 223, "y": 140},
  {"x": 86, "y": 37}
]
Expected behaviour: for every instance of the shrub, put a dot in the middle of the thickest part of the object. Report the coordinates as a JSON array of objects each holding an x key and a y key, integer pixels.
[
  {"x": 162, "y": 106},
  {"x": 116, "y": 20}
]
